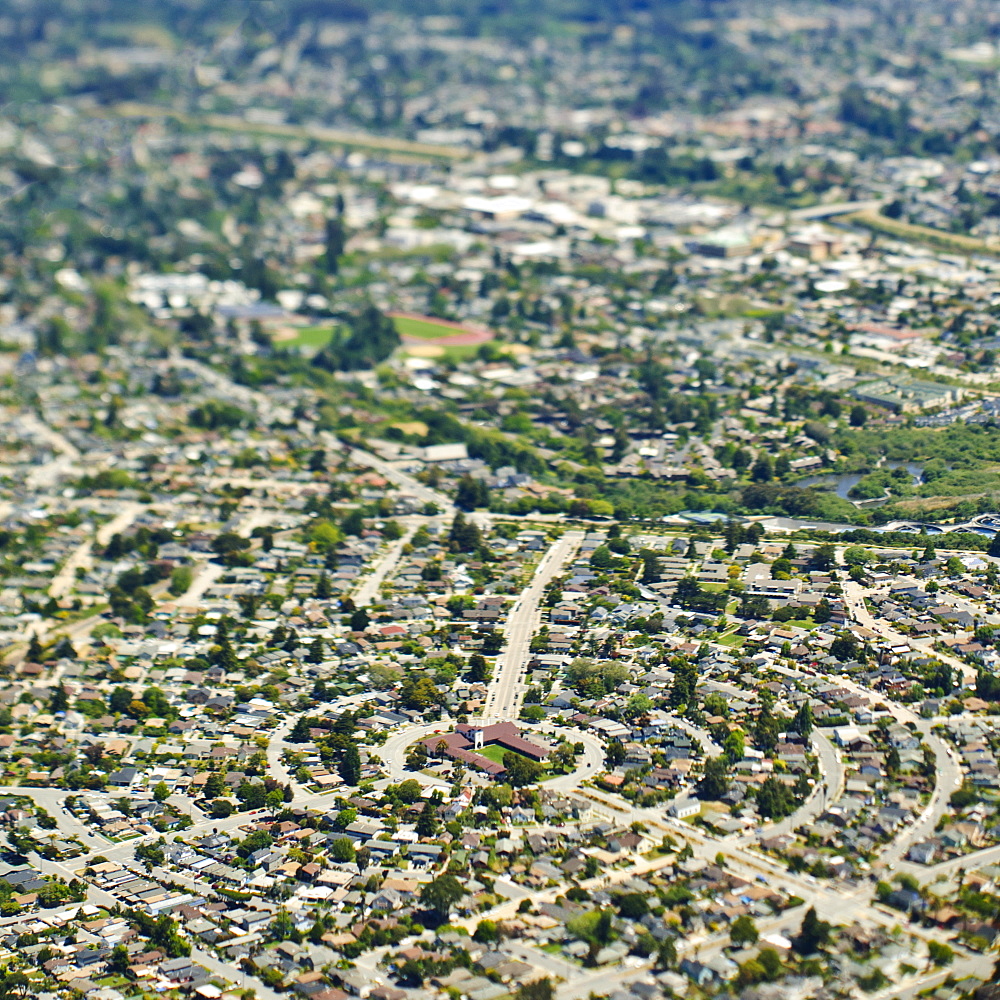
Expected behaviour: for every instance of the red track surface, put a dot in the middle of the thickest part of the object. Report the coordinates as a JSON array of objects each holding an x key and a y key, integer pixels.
[{"x": 464, "y": 334}]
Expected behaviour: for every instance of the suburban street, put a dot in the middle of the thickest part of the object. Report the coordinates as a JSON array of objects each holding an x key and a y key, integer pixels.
[
  {"x": 854, "y": 597},
  {"x": 827, "y": 791},
  {"x": 368, "y": 590},
  {"x": 80, "y": 558},
  {"x": 506, "y": 691}
]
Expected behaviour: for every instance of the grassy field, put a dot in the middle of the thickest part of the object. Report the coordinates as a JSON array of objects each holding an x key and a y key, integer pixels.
[
  {"x": 425, "y": 329},
  {"x": 955, "y": 242},
  {"x": 449, "y": 352},
  {"x": 312, "y": 337},
  {"x": 403, "y": 150}
]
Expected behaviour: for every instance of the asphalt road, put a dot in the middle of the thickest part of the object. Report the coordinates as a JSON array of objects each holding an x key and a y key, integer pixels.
[
  {"x": 855, "y": 600},
  {"x": 368, "y": 590},
  {"x": 63, "y": 581},
  {"x": 828, "y": 791},
  {"x": 506, "y": 690}
]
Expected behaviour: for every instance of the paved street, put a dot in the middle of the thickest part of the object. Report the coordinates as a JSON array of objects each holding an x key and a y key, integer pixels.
[
  {"x": 854, "y": 598},
  {"x": 829, "y": 789},
  {"x": 506, "y": 691},
  {"x": 368, "y": 590},
  {"x": 81, "y": 557}
]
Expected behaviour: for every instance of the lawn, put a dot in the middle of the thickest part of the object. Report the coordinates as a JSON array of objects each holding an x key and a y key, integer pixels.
[
  {"x": 494, "y": 753},
  {"x": 312, "y": 337},
  {"x": 425, "y": 329}
]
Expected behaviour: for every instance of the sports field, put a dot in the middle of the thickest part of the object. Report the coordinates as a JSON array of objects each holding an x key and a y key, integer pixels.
[{"x": 439, "y": 331}]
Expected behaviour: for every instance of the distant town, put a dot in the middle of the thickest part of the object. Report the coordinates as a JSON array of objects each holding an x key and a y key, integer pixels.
[{"x": 499, "y": 503}]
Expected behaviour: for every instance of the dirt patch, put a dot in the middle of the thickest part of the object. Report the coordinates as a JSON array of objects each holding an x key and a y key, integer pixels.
[
  {"x": 419, "y": 350},
  {"x": 417, "y": 427}
]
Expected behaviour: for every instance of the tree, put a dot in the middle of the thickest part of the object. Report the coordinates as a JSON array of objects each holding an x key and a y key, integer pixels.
[
  {"x": 632, "y": 905},
  {"x": 349, "y": 767},
  {"x": 715, "y": 780},
  {"x": 940, "y": 953},
  {"x": 666, "y": 954},
  {"x": 442, "y": 894},
  {"x": 824, "y": 556},
  {"x": 734, "y": 746},
  {"x": 521, "y": 770},
  {"x": 221, "y": 809},
  {"x": 857, "y": 555},
  {"x": 652, "y": 569},
  {"x": 743, "y": 931},
  {"x": 222, "y": 653},
  {"x": 151, "y": 856},
  {"x": 844, "y": 647},
  {"x": 369, "y": 339},
  {"x": 418, "y": 692},
  {"x": 804, "y": 720},
  {"x": 64, "y": 649},
  {"x": 334, "y": 244},
  {"x": 35, "y": 652},
  {"x": 427, "y": 822},
  {"x": 537, "y": 989},
  {"x": 464, "y": 535},
  {"x": 813, "y": 934},
  {"x": 471, "y": 493},
  {"x": 282, "y": 928},
  {"x": 763, "y": 468},
  {"x": 614, "y": 753},
  {"x": 180, "y": 580},
  {"x": 601, "y": 558},
  {"x": 859, "y": 416},
  {"x": 300, "y": 731},
  {"x": 120, "y": 700},
  {"x": 118, "y": 963},
  {"x": 161, "y": 792},
  {"x": 362, "y": 858},
  {"x": 487, "y": 932},
  {"x": 775, "y": 800},
  {"x": 409, "y": 791},
  {"x": 252, "y": 795},
  {"x": 229, "y": 542},
  {"x": 342, "y": 850},
  {"x": 359, "y": 620},
  {"x": 214, "y": 785},
  {"x": 59, "y": 702},
  {"x": 478, "y": 670}
]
